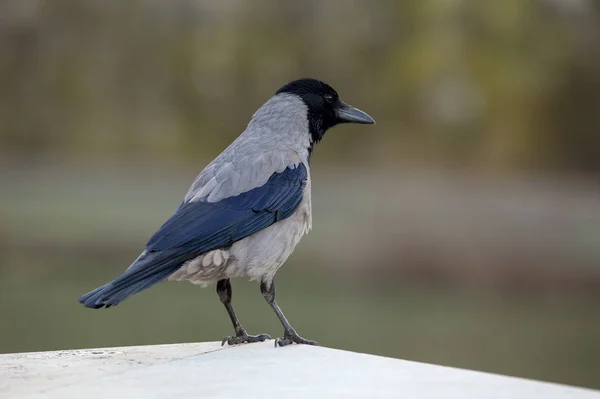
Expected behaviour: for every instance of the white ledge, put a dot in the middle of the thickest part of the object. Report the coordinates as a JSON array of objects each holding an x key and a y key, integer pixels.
[{"x": 252, "y": 371}]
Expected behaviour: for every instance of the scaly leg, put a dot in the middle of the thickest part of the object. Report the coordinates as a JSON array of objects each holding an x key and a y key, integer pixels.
[
  {"x": 289, "y": 334},
  {"x": 241, "y": 336}
]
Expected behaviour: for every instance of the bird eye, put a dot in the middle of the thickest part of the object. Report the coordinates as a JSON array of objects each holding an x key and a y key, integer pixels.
[{"x": 329, "y": 98}]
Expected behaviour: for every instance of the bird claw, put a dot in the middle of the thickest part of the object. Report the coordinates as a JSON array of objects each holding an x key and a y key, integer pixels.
[
  {"x": 244, "y": 338},
  {"x": 293, "y": 338}
]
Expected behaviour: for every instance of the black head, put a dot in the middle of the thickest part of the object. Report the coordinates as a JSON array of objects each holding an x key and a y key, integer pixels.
[{"x": 325, "y": 109}]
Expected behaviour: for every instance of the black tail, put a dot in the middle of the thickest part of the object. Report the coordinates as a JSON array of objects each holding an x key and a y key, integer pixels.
[{"x": 146, "y": 271}]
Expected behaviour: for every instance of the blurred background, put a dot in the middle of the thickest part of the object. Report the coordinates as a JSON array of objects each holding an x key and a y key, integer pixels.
[{"x": 463, "y": 229}]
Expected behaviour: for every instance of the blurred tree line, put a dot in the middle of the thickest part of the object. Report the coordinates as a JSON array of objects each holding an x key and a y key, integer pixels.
[{"x": 492, "y": 85}]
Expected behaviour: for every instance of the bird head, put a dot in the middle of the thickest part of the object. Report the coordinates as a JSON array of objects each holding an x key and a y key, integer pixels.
[{"x": 325, "y": 109}]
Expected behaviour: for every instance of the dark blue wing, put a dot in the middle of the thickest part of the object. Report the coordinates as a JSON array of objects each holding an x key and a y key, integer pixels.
[
  {"x": 202, "y": 226},
  {"x": 198, "y": 227}
]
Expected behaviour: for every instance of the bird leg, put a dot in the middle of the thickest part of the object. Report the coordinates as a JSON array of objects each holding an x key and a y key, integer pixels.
[
  {"x": 241, "y": 336},
  {"x": 289, "y": 334}
]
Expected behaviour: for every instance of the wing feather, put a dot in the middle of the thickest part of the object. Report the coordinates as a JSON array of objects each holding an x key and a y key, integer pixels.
[{"x": 201, "y": 226}]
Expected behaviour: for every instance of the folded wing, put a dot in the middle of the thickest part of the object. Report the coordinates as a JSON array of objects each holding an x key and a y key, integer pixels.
[{"x": 201, "y": 226}]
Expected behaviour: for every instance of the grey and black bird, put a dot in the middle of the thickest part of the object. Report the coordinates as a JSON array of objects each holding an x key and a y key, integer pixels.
[{"x": 246, "y": 211}]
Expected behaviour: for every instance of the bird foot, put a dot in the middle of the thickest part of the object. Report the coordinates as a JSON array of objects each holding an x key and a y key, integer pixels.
[
  {"x": 293, "y": 338},
  {"x": 244, "y": 338}
]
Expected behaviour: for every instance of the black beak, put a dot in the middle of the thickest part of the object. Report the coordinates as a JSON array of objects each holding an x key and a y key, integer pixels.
[{"x": 348, "y": 114}]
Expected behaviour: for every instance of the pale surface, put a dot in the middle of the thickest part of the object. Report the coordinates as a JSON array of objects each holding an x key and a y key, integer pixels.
[{"x": 251, "y": 371}]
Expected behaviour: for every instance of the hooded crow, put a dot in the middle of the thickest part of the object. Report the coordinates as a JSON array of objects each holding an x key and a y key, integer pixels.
[{"x": 246, "y": 211}]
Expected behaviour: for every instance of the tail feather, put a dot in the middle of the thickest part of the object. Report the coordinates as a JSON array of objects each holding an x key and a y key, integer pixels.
[
  {"x": 89, "y": 300},
  {"x": 146, "y": 271}
]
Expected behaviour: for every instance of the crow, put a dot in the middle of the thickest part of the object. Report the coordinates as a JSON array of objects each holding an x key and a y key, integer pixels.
[{"x": 246, "y": 211}]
